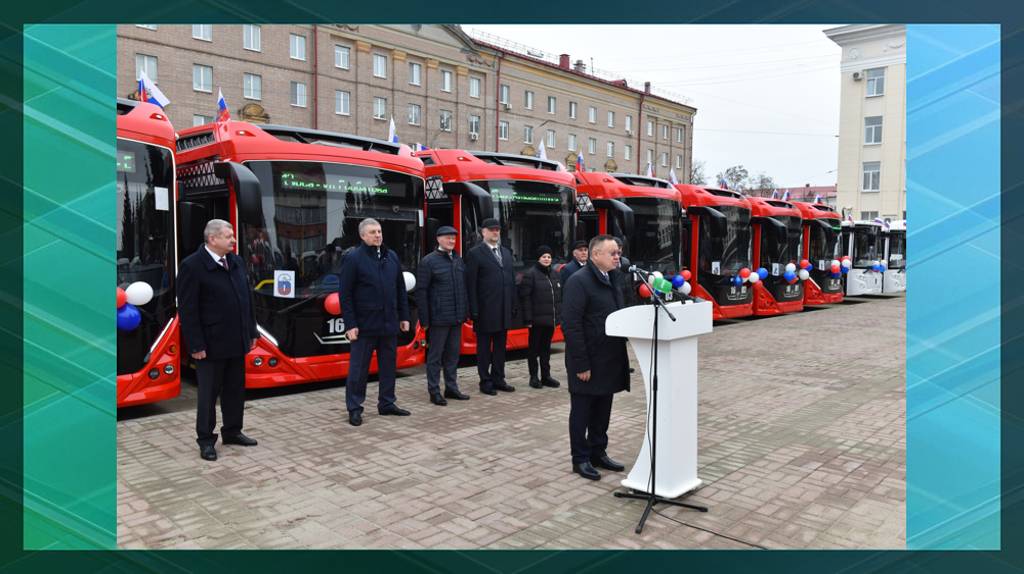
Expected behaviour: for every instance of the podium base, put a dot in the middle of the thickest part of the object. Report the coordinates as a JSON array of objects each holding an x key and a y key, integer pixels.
[
  {"x": 651, "y": 501},
  {"x": 667, "y": 489}
]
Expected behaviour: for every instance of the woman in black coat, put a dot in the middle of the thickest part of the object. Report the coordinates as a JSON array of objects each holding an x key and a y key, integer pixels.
[{"x": 540, "y": 293}]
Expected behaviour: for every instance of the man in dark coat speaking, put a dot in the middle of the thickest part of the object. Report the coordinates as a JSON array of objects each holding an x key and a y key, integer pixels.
[
  {"x": 597, "y": 365},
  {"x": 491, "y": 286}
]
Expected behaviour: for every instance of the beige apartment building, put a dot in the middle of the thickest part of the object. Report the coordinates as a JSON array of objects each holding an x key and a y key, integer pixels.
[
  {"x": 442, "y": 87},
  {"x": 871, "y": 177}
]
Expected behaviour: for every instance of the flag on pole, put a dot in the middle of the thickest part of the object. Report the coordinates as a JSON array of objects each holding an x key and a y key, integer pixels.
[
  {"x": 392, "y": 134},
  {"x": 541, "y": 152},
  {"x": 785, "y": 196},
  {"x": 672, "y": 176},
  {"x": 650, "y": 169},
  {"x": 775, "y": 194},
  {"x": 817, "y": 198},
  {"x": 722, "y": 183},
  {"x": 148, "y": 92},
  {"x": 223, "y": 114},
  {"x": 579, "y": 161}
]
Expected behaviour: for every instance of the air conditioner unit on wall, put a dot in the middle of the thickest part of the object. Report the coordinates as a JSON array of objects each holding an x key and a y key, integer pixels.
[
  {"x": 629, "y": 132},
  {"x": 473, "y": 137},
  {"x": 858, "y": 76},
  {"x": 507, "y": 106}
]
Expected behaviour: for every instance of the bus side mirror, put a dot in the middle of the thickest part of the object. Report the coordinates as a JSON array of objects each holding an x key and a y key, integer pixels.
[
  {"x": 192, "y": 223},
  {"x": 247, "y": 190},
  {"x": 716, "y": 221}
]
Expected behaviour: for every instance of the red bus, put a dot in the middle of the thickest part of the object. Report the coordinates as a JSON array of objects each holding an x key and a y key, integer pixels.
[
  {"x": 777, "y": 230},
  {"x": 295, "y": 197},
  {"x": 533, "y": 199},
  {"x": 147, "y": 337},
  {"x": 822, "y": 230},
  {"x": 719, "y": 248}
]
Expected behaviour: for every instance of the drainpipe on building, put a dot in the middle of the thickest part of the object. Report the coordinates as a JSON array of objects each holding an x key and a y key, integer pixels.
[
  {"x": 497, "y": 104},
  {"x": 316, "y": 75},
  {"x": 640, "y": 123}
]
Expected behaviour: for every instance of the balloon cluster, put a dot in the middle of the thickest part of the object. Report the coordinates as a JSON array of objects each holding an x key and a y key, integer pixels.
[
  {"x": 838, "y": 268},
  {"x": 790, "y": 275},
  {"x": 666, "y": 285},
  {"x": 129, "y": 300},
  {"x": 878, "y": 266}
]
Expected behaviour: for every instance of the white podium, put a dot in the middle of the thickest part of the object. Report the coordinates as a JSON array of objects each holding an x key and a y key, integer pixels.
[{"x": 676, "y": 472}]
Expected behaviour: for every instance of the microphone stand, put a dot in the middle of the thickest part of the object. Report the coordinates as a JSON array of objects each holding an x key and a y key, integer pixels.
[{"x": 651, "y": 497}]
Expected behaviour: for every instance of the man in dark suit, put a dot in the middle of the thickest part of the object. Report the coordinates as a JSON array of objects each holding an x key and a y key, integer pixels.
[
  {"x": 597, "y": 365},
  {"x": 491, "y": 285},
  {"x": 217, "y": 322},
  {"x": 374, "y": 306},
  {"x": 579, "y": 260},
  {"x": 441, "y": 303}
]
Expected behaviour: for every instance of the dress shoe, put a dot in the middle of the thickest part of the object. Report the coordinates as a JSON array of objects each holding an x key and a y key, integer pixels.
[
  {"x": 549, "y": 382},
  {"x": 587, "y": 471},
  {"x": 535, "y": 383},
  {"x": 239, "y": 439},
  {"x": 488, "y": 391},
  {"x": 505, "y": 388},
  {"x": 604, "y": 462},
  {"x": 355, "y": 419},
  {"x": 394, "y": 410},
  {"x": 438, "y": 400},
  {"x": 457, "y": 395},
  {"x": 207, "y": 452}
]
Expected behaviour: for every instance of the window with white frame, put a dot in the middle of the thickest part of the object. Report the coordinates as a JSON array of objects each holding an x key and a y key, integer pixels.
[
  {"x": 504, "y": 91},
  {"x": 298, "y": 94},
  {"x": 552, "y": 104},
  {"x": 415, "y": 114},
  {"x": 415, "y": 73},
  {"x": 611, "y": 149},
  {"x": 592, "y": 115},
  {"x": 679, "y": 134},
  {"x": 446, "y": 80},
  {"x": 550, "y": 143},
  {"x": 251, "y": 37},
  {"x": 873, "y": 130},
  {"x": 664, "y": 159},
  {"x": 341, "y": 56},
  {"x": 145, "y": 63},
  {"x": 146, "y": 26},
  {"x": 202, "y": 78},
  {"x": 650, "y": 156},
  {"x": 627, "y": 152},
  {"x": 474, "y": 125},
  {"x": 876, "y": 82},
  {"x": 591, "y": 146},
  {"x": 445, "y": 122},
  {"x": 611, "y": 119},
  {"x": 528, "y": 134},
  {"x": 629, "y": 123},
  {"x": 872, "y": 176},
  {"x": 572, "y": 110},
  {"x": 650, "y": 128},
  {"x": 297, "y": 47},
  {"x": 528, "y": 99},
  {"x": 380, "y": 66},
  {"x": 342, "y": 102},
  {"x": 571, "y": 142},
  {"x": 202, "y": 32},
  {"x": 664, "y": 131},
  {"x": 252, "y": 86},
  {"x": 868, "y": 215},
  {"x": 198, "y": 120},
  {"x": 380, "y": 108},
  {"x": 474, "y": 86},
  {"x": 503, "y": 130},
  {"x": 679, "y": 161}
]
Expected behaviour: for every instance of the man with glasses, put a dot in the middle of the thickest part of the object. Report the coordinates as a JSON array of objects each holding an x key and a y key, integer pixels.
[{"x": 597, "y": 365}]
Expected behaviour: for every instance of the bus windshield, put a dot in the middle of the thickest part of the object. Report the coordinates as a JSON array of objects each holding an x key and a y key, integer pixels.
[
  {"x": 791, "y": 251},
  {"x": 865, "y": 245},
  {"x": 655, "y": 243},
  {"x": 821, "y": 249},
  {"x": 897, "y": 249},
  {"x": 728, "y": 254},
  {"x": 145, "y": 245},
  {"x": 531, "y": 214}
]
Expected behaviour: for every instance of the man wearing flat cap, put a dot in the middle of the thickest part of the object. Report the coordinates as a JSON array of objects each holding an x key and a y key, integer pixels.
[
  {"x": 579, "y": 260},
  {"x": 442, "y": 306},
  {"x": 490, "y": 284}
]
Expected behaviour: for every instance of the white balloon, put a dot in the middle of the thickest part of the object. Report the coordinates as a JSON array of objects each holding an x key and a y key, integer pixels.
[
  {"x": 791, "y": 267},
  {"x": 657, "y": 274},
  {"x": 846, "y": 263},
  {"x": 686, "y": 288},
  {"x": 835, "y": 262},
  {"x": 804, "y": 275},
  {"x": 139, "y": 293},
  {"x": 875, "y": 262},
  {"x": 410, "y": 280},
  {"x": 753, "y": 278}
]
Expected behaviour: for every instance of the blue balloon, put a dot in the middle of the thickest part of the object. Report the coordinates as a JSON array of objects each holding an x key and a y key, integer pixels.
[
  {"x": 810, "y": 267},
  {"x": 128, "y": 317},
  {"x": 845, "y": 270},
  {"x": 882, "y": 267},
  {"x": 762, "y": 273},
  {"x": 789, "y": 275},
  {"x": 678, "y": 281}
]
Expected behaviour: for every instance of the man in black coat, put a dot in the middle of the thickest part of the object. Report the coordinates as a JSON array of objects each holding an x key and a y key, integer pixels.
[
  {"x": 219, "y": 327},
  {"x": 579, "y": 260},
  {"x": 597, "y": 365},
  {"x": 374, "y": 306},
  {"x": 441, "y": 303},
  {"x": 491, "y": 286}
]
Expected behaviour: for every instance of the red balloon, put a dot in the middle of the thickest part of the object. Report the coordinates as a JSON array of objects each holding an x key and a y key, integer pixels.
[
  {"x": 835, "y": 267},
  {"x": 804, "y": 264},
  {"x": 644, "y": 291},
  {"x": 744, "y": 273},
  {"x": 686, "y": 274},
  {"x": 332, "y": 304},
  {"x": 122, "y": 297}
]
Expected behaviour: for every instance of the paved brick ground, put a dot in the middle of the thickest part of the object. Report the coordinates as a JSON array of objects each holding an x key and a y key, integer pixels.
[{"x": 802, "y": 445}]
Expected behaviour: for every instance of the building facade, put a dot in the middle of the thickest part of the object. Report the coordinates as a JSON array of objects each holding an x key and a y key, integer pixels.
[
  {"x": 442, "y": 87},
  {"x": 871, "y": 177}
]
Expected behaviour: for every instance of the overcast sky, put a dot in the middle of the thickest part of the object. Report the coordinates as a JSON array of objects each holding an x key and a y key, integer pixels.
[{"x": 767, "y": 96}]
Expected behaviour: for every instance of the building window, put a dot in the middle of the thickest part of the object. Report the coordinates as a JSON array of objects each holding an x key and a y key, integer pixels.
[
  {"x": 341, "y": 56},
  {"x": 551, "y": 139},
  {"x": 650, "y": 156},
  {"x": 611, "y": 119},
  {"x": 342, "y": 102},
  {"x": 298, "y": 94},
  {"x": 528, "y": 98},
  {"x": 380, "y": 108},
  {"x": 629, "y": 124},
  {"x": 572, "y": 110},
  {"x": 650, "y": 128},
  {"x": 474, "y": 87},
  {"x": 872, "y": 176},
  {"x": 146, "y": 26},
  {"x": 504, "y": 94},
  {"x": 474, "y": 125},
  {"x": 446, "y": 80},
  {"x": 251, "y": 37},
  {"x": 552, "y": 104},
  {"x": 591, "y": 146},
  {"x": 202, "y": 78},
  {"x": 572, "y": 142},
  {"x": 503, "y": 130},
  {"x": 415, "y": 114},
  {"x": 415, "y": 73},
  {"x": 876, "y": 82},
  {"x": 873, "y": 130},
  {"x": 527, "y": 134},
  {"x": 202, "y": 32},
  {"x": 664, "y": 132},
  {"x": 297, "y": 47},
  {"x": 627, "y": 151},
  {"x": 592, "y": 115},
  {"x": 380, "y": 66},
  {"x": 679, "y": 161},
  {"x": 198, "y": 120},
  {"x": 446, "y": 121},
  {"x": 252, "y": 86},
  {"x": 679, "y": 135},
  {"x": 868, "y": 215},
  {"x": 144, "y": 63},
  {"x": 664, "y": 159},
  {"x": 611, "y": 149}
]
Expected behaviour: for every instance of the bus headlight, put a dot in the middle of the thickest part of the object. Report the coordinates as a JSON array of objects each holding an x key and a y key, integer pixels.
[
  {"x": 154, "y": 373},
  {"x": 258, "y": 361},
  {"x": 272, "y": 362},
  {"x": 169, "y": 369}
]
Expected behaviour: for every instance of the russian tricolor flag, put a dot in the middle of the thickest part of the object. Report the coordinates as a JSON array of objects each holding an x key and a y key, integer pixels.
[
  {"x": 148, "y": 92},
  {"x": 223, "y": 114},
  {"x": 579, "y": 161}
]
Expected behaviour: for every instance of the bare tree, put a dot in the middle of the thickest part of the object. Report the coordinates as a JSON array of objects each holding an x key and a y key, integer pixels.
[
  {"x": 735, "y": 177},
  {"x": 697, "y": 176}
]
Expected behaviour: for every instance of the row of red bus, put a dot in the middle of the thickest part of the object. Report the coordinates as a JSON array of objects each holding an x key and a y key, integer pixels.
[{"x": 296, "y": 196}]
